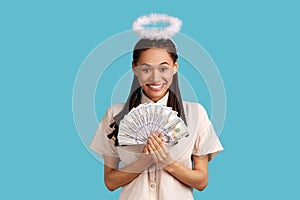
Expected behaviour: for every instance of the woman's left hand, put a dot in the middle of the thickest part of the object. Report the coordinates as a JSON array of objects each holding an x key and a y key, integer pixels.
[
  {"x": 158, "y": 150},
  {"x": 196, "y": 177}
]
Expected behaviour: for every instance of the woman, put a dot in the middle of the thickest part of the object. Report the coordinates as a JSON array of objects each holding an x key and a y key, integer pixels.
[{"x": 156, "y": 173}]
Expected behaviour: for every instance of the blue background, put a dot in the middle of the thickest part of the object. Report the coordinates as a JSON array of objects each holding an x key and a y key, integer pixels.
[{"x": 255, "y": 45}]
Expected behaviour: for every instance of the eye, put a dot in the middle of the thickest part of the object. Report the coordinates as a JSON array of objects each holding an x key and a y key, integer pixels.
[
  {"x": 164, "y": 69},
  {"x": 146, "y": 70}
]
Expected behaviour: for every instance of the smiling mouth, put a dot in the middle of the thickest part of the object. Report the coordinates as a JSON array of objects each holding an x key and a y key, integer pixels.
[{"x": 155, "y": 87}]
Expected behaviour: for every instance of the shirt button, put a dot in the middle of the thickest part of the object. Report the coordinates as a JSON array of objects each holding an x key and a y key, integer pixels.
[{"x": 152, "y": 185}]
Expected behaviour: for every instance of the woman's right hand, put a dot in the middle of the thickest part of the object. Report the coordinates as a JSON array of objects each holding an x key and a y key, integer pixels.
[
  {"x": 145, "y": 150},
  {"x": 115, "y": 178}
]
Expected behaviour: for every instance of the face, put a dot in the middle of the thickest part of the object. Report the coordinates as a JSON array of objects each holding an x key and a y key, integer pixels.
[{"x": 155, "y": 69}]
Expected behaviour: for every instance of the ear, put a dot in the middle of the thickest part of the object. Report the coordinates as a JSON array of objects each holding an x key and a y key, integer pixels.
[
  {"x": 175, "y": 67},
  {"x": 133, "y": 67}
]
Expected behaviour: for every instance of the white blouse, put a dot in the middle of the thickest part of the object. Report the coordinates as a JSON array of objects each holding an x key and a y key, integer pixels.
[{"x": 158, "y": 184}]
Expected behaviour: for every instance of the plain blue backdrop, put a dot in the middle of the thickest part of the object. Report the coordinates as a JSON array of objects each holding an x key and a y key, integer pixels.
[{"x": 255, "y": 45}]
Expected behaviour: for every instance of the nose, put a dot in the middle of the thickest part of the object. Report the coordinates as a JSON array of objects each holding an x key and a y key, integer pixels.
[{"x": 155, "y": 76}]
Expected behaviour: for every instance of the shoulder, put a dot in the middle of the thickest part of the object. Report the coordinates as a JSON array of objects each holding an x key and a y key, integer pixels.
[
  {"x": 111, "y": 112},
  {"x": 194, "y": 107},
  {"x": 114, "y": 109},
  {"x": 196, "y": 115}
]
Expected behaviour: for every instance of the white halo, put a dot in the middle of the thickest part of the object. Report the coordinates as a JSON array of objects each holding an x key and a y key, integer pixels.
[{"x": 156, "y": 33}]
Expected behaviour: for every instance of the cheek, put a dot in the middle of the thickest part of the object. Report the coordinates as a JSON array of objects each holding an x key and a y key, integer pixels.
[
  {"x": 168, "y": 79},
  {"x": 142, "y": 80},
  {"x": 145, "y": 79}
]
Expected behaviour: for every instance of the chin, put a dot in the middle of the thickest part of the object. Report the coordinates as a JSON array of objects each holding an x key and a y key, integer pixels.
[
  {"x": 155, "y": 96},
  {"x": 155, "y": 93}
]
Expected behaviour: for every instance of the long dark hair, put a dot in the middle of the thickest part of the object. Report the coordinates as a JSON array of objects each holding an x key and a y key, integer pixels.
[{"x": 134, "y": 98}]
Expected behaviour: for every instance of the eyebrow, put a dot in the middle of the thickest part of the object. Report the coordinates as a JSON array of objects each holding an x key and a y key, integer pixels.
[{"x": 162, "y": 63}]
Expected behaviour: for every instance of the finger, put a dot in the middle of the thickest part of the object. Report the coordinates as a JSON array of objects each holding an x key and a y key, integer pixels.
[
  {"x": 161, "y": 136},
  {"x": 159, "y": 142},
  {"x": 154, "y": 144},
  {"x": 157, "y": 133},
  {"x": 152, "y": 153},
  {"x": 145, "y": 150},
  {"x": 164, "y": 152},
  {"x": 156, "y": 150},
  {"x": 162, "y": 144},
  {"x": 158, "y": 156},
  {"x": 165, "y": 149},
  {"x": 159, "y": 139}
]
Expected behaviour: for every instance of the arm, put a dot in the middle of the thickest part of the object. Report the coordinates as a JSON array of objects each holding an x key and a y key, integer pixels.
[
  {"x": 115, "y": 178},
  {"x": 196, "y": 177}
]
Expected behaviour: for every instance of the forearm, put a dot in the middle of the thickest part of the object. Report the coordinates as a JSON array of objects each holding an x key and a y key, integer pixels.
[
  {"x": 115, "y": 178},
  {"x": 196, "y": 177},
  {"x": 191, "y": 177}
]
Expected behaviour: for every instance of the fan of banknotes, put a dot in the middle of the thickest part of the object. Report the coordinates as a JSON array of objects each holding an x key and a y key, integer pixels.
[{"x": 143, "y": 120}]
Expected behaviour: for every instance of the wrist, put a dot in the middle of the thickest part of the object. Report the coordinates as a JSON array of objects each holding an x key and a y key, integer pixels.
[
  {"x": 171, "y": 167},
  {"x": 145, "y": 159}
]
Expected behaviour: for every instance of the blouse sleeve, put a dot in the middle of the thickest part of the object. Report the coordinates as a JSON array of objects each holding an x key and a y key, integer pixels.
[
  {"x": 100, "y": 143},
  {"x": 207, "y": 141}
]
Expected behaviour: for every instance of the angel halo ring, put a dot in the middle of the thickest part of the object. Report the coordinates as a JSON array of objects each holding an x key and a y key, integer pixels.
[{"x": 174, "y": 25}]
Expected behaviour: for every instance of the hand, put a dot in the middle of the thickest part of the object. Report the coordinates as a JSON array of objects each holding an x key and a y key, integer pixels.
[
  {"x": 158, "y": 150},
  {"x": 145, "y": 156},
  {"x": 145, "y": 150}
]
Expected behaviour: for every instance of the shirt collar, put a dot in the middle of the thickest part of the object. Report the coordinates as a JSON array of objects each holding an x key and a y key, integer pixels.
[{"x": 162, "y": 101}]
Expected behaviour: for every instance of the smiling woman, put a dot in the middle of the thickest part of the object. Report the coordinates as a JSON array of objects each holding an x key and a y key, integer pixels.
[
  {"x": 153, "y": 170},
  {"x": 155, "y": 69}
]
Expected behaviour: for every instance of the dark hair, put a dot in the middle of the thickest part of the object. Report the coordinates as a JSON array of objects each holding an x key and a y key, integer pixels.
[
  {"x": 145, "y": 44},
  {"x": 134, "y": 98}
]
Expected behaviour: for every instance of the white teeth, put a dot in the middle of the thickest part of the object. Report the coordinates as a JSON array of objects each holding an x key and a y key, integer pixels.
[{"x": 156, "y": 86}]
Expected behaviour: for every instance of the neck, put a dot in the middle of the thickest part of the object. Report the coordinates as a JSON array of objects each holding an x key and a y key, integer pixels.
[{"x": 157, "y": 99}]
